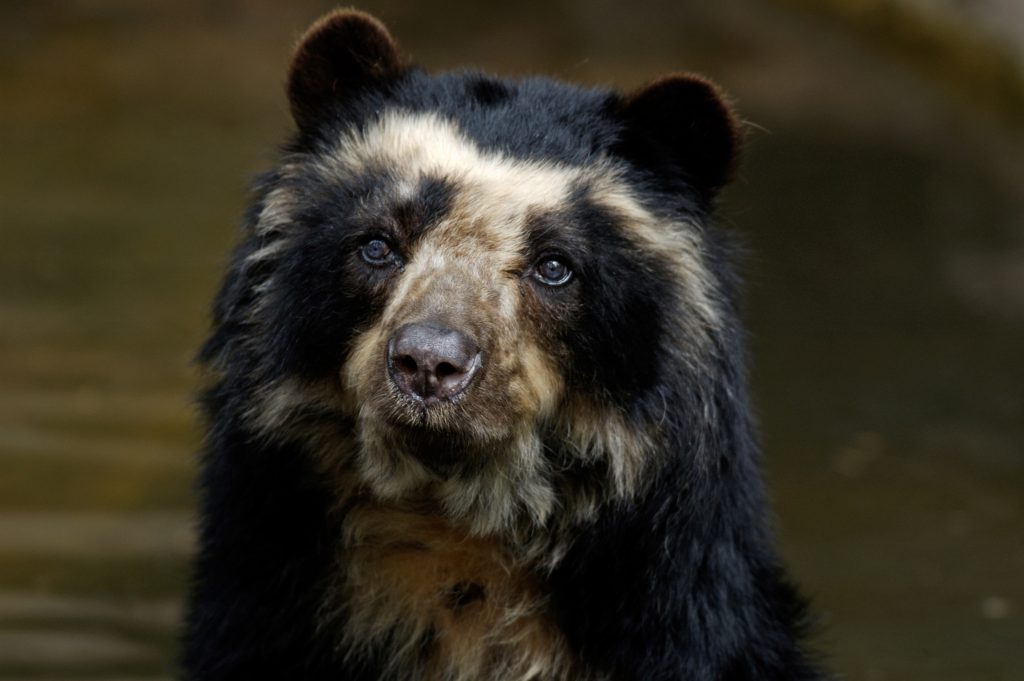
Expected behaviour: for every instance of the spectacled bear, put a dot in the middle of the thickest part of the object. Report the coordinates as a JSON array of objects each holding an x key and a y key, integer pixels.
[{"x": 476, "y": 403}]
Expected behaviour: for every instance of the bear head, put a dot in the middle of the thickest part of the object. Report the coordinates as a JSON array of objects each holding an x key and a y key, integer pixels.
[{"x": 490, "y": 297}]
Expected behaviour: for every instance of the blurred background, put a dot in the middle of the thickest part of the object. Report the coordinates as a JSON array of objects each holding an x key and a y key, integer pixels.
[{"x": 882, "y": 201}]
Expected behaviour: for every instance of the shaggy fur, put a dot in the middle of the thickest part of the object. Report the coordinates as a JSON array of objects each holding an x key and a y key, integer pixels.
[{"x": 590, "y": 507}]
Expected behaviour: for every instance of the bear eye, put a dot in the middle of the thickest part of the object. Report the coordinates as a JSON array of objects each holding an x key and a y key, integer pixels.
[
  {"x": 376, "y": 252},
  {"x": 552, "y": 272}
]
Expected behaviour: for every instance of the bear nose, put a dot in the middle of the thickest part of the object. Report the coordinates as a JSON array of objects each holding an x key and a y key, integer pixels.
[{"x": 432, "y": 363}]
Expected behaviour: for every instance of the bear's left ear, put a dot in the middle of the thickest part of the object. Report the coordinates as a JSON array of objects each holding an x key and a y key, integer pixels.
[
  {"x": 682, "y": 128},
  {"x": 341, "y": 55}
]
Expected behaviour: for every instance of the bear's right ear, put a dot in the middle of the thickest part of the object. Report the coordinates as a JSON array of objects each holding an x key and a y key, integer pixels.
[{"x": 341, "y": 55}]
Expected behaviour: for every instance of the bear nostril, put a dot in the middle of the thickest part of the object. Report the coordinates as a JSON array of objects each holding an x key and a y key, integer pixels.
[
  {"x": 406, "y": 364},
  {"x": 444, "y": 369}
]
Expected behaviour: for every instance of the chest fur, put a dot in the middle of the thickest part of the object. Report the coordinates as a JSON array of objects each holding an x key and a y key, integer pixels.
[{"x": 443, "y": 605}]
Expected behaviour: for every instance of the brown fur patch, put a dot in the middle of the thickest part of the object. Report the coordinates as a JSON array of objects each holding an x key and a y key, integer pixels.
[{"x": 449, "y": 606}]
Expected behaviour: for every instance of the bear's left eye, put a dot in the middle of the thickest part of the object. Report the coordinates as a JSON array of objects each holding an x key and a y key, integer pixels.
[
  {"x": 377, "y": 252},
  {"x": 552, "y": 272}
]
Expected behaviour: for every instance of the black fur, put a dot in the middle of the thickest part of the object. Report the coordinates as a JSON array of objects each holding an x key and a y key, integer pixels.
[{"x": 682, "y": 583}]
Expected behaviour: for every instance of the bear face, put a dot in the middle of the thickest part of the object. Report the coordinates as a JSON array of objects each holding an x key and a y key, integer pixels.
[{"x": 571, "y": 260}]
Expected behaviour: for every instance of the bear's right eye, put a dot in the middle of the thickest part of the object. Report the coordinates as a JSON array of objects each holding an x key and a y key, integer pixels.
[{"x": 377, "y": 252}]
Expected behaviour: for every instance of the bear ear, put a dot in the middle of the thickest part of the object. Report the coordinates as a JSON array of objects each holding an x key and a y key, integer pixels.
[
  {"x": 341, "y": 55},
  {"x": 682, "y": 128}
]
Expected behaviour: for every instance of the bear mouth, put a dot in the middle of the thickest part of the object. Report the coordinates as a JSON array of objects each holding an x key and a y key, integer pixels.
[{"x": 443, "y": 452}]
